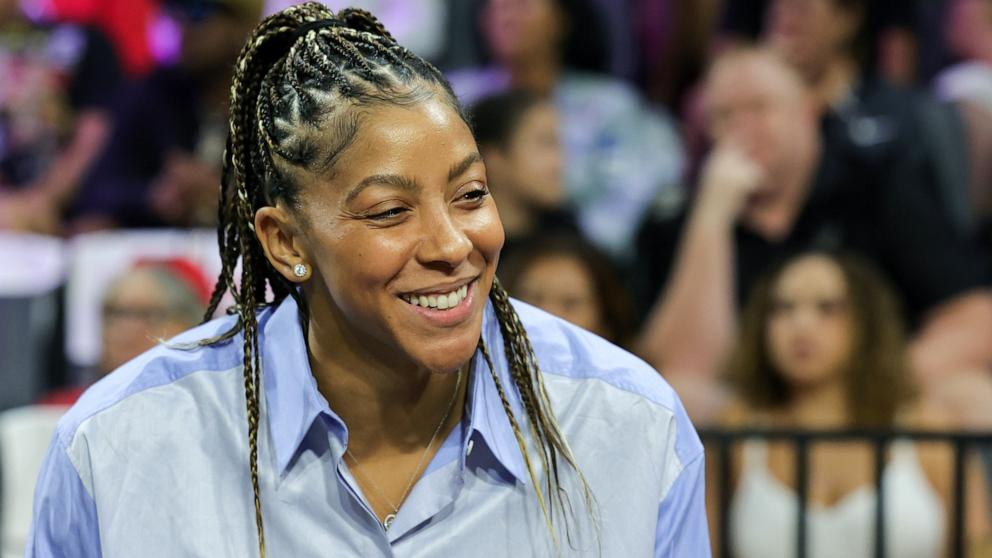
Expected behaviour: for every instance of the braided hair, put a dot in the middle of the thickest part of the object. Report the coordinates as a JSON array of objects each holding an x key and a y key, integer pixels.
[{"x": 296, "y": 84}]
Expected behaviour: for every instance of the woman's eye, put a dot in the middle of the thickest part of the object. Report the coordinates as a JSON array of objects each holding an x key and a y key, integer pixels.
[
  {"x": 388, "y": 214},
  {"x": 476, "y": 195}
]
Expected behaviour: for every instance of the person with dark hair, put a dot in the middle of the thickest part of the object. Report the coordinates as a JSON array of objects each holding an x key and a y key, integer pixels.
[
  {"x": 822, "y": 346},
  {"x": 517, "y": 133},
  {"x": 566, "y": 276},
  {"x": 621, "y": 155},
  {"x": 374, "y": 391}
]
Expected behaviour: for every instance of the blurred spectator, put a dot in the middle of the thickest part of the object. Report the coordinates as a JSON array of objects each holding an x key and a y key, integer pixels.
[
  {"x": 57, "y": 86},
  {"x": 822, "y": 347},
  {"x": 770, "y": 188},
  {"x": 517, "y": 133},
  {"x": 162, "y": 164},
  {"x": 153, "y": 301},
  {"x": 969, "y": 84},
  {"x": 566, "y": 276},
  {"x": 829, "y": 42},
  {"x": 620, "y": 155},
  {"x": 837, "y": 45}
]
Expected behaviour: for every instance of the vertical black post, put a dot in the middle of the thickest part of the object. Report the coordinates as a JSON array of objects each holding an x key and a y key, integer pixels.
[
  {"x": 959, "y": 480},
  {"x": 726, "y": 444},
  {"x": 802, "y": 487},
  {"x": 880, "y": 446}
]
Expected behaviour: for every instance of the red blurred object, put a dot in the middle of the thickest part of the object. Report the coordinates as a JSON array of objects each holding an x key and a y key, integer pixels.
[
  {"x": 127, "y": 23},
  {"x": 185, "y": 270},
  {"x": 65, "y": 396}
]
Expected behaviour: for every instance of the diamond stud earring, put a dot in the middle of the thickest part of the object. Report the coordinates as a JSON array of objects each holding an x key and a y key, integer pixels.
[{"x": 300, "y": 270}]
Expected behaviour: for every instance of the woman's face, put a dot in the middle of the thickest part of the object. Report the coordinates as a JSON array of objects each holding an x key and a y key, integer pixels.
[
  {"x": 403, "y": 238},
  {"x": 534, "y": 157},
  {"x": 517, "y": 29},
  {"x": 561, "y": 285},
  {"x": 809, "y": 323}
]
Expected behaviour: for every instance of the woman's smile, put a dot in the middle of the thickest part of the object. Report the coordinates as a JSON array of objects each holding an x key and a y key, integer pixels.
[{"x": 443, "y": 306}]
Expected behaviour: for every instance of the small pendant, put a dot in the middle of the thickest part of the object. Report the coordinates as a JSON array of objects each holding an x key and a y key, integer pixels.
[{"x": 388, "y": 521}]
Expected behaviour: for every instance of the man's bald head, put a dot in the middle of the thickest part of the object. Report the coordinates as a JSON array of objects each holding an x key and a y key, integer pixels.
[{"x": 754, "y": 99}]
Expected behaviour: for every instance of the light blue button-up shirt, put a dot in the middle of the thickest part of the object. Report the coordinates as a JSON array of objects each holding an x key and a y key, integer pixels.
[{"x": 153, "y": 460}]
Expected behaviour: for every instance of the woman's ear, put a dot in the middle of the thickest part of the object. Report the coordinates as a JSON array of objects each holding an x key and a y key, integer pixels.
[{"x": 282, "y": 243}]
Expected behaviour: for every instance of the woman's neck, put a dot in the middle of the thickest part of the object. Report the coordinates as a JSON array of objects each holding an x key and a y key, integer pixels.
[
  {"x": 386, "y": 403},
  {"x": 821, "y": 406}
]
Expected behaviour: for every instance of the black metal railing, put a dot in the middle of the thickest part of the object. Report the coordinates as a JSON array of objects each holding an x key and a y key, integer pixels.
[{"x": 723, "y": 440}]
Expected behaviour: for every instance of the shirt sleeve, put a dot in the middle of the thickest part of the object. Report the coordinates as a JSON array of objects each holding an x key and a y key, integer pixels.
[
  {"x": 682, "y": 528},
  {"x": 64, "y": 524}
]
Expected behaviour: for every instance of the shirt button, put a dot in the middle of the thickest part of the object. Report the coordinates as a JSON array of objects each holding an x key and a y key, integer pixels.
[{"x": 468, "y": 450}]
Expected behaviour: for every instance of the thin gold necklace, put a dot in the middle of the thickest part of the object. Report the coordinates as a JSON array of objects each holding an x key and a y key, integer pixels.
[{"x": 388, "y": 520}]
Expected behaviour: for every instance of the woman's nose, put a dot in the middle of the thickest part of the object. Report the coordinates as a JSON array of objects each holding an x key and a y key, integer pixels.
[{"x": 444, "y": 241}]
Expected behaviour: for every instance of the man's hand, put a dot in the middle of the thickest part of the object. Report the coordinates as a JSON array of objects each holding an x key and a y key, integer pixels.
[{"x": 730, "y": 177}]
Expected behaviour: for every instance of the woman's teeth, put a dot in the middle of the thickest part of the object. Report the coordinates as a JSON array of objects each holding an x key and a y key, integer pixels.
[{"x": 441, "y": 301}]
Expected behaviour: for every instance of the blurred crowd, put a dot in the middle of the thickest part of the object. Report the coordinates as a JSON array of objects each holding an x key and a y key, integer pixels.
[{"x": 783, "y": 205}]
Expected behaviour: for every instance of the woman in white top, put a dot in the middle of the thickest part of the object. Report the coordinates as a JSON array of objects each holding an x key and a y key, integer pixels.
[{"x": 822, "y": 347}]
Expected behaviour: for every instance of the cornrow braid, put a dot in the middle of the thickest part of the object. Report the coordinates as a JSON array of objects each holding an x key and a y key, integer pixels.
[{"x": 295, "y": 83}]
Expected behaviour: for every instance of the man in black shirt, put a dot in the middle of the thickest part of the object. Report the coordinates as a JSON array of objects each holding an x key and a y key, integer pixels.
[{"x": 775, "y": 186}]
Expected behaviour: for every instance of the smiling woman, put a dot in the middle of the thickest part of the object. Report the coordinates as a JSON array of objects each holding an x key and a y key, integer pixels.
[{"x": 398, "y": 402}]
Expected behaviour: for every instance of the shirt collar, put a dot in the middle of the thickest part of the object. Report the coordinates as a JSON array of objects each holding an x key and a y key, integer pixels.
[
  {"x": 291, "y": 396},
  {"x": 293, "y": 402},
  {"x": 485, "y": 411}
]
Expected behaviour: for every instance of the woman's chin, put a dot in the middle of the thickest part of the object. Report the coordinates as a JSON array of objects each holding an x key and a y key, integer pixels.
[{"x": 445, "y": 358}]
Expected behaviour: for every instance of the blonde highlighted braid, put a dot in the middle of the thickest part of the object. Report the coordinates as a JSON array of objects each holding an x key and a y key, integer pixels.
[{"x": 296, "y": 84}]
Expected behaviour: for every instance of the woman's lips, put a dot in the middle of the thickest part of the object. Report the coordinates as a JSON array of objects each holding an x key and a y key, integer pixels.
[{"x": 444, "y": 309}]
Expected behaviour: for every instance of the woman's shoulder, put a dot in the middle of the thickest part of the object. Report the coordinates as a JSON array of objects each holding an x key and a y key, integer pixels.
[
  {"x": 565, "y": 349},
  {"x": 586, "y": 372},
  {"x": 158, "y": 380}
]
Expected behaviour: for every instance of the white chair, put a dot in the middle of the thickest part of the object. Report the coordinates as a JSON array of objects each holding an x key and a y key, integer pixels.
[{"x": 25, "y": 434}]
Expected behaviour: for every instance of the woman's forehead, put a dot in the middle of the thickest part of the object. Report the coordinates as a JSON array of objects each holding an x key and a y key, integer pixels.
[
  {"x": 418, "y": 139},
  {"x": 814, "y": 274}
]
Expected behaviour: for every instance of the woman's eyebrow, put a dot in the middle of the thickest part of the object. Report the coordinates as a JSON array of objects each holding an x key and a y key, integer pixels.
[
  {"x": 462, "y": 166},
  {"x": 394, "y": 180},
  {"x": 408, "y": 184}
]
